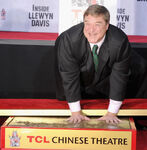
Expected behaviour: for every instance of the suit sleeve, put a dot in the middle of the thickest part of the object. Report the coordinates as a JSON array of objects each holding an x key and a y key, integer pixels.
[
  {"x": 68, "y": 68},
  {"x": 120, "y": 72}
]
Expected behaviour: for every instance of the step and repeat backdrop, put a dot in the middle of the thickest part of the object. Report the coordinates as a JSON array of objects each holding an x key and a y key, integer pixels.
[
  {"x": 48, "y": 16},
  {"x": 127, "y": 15},
  {"x": 29, "y": 15}
]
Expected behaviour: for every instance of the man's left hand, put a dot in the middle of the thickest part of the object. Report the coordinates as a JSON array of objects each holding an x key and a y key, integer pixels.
[{"x": 110, "y": 118}]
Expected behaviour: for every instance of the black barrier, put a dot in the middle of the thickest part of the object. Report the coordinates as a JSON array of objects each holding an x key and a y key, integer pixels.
[{"x": 27, "y": 71}]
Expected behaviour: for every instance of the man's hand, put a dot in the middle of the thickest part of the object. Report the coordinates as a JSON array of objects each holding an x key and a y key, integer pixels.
[
  {"x": 110, "y": 118},
  {"x": 77, "y": 117}
]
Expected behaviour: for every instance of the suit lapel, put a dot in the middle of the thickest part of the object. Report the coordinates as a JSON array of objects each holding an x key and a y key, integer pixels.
[
  {"x": 103, "y": 58},
  {"x": 90, "y": 57}
]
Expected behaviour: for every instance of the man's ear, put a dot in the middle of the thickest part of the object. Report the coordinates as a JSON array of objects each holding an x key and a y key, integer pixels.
[{"x": 107, "y": 26}]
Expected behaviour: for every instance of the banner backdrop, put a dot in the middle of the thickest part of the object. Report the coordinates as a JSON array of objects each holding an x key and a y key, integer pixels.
[
  {"x": 131, "y": 16},
  {"x": 128, "y": 15},
  {"x": 29, "y": 15},
  {"x": 55, "y": 16}
]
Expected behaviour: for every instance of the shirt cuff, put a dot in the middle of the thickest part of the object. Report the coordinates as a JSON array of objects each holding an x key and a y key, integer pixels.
[
  {"x": 74, "y": 106},
  {"x": 114, "y": 106}
]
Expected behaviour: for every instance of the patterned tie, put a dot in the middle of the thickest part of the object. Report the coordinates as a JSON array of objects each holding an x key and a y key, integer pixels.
[{"x": 95, "y": 57}]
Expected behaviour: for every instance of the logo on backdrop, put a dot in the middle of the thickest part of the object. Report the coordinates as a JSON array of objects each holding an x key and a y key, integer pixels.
[
  {"x": 122, "y": 18},
  {"x": 3, "y": 14},
  {"x": 40, "y": 16},
  {"x": 14, "y": 139}
]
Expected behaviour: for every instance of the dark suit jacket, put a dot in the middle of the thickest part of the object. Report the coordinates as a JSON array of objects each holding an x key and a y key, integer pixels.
[{"x": 75, "y": 67}]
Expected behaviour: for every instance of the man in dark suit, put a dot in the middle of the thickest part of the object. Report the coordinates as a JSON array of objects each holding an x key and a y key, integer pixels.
[{"x": 102, "y": 71}]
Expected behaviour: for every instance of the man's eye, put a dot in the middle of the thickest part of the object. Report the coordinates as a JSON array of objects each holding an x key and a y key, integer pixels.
[{"x": 98, "y": 24}]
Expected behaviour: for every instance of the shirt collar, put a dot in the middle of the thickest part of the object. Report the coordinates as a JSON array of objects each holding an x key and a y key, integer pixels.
[{"x": 98, "y": 43}]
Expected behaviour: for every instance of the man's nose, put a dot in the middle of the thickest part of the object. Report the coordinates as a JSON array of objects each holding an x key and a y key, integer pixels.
[{"x": 92, "y": 28}]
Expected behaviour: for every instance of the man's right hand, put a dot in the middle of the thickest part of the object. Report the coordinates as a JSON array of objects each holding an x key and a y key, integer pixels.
[{"x": 77, "y": 117}]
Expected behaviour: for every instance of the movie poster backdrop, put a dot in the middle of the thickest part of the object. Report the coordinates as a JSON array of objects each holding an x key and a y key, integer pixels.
[
  {"x": 130, "y": 15},
  {"x": 29, "y": 15},
  {"x": 55, "y": 16}
]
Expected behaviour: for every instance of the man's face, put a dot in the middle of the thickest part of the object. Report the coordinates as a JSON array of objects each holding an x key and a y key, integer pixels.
[{"x": 95, "y": 28}]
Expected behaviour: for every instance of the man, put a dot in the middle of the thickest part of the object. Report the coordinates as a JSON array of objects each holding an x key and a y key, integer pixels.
[{"x": 100, "y": 72}]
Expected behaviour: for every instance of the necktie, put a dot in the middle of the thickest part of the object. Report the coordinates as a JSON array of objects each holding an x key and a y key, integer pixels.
[{"x": 95, "y": 57}]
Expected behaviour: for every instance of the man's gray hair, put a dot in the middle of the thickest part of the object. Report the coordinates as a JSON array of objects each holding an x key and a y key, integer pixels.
[{"x": 98, "y": 10}]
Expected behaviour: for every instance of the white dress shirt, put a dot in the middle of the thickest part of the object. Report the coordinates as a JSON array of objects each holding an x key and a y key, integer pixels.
[{"x": 114, "y": 105}]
